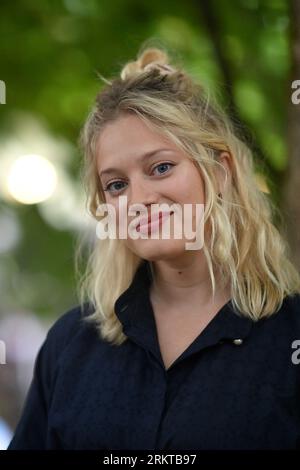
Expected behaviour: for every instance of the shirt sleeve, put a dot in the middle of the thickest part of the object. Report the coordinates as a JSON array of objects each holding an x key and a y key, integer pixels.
[{"x": 32, "y": 429}]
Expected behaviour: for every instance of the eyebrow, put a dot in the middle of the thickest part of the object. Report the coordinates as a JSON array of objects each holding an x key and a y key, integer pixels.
[{"x": 142, "y": 158}]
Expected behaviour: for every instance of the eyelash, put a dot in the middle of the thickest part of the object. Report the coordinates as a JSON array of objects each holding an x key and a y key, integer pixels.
[{"x": 119, "y": 181}]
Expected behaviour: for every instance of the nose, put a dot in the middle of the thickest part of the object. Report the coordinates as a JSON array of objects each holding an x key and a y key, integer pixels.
[{"x": 142, "y": 192}]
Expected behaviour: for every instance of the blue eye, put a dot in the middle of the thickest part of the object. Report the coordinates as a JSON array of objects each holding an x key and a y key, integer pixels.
[
  {"x": 163, "y": 165},
  {"x": 113, "y": 189},
  {"x": 108, "y": 187}
]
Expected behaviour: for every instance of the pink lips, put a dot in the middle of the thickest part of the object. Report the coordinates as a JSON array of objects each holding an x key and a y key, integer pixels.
[{"x": 152, "y": 222}]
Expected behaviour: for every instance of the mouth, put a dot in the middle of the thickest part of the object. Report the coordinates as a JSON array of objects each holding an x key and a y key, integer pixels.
[{"x": 153, "y": 222}]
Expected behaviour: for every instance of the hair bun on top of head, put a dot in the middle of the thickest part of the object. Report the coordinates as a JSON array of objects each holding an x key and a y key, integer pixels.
[{"x": 151, "y": 58}]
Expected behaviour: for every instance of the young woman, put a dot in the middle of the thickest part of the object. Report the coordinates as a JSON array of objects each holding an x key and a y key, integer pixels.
[{"x": 172, "y": 348}]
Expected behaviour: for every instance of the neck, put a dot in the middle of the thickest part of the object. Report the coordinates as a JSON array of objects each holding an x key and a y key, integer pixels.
[{"x": 182, "y": 278}]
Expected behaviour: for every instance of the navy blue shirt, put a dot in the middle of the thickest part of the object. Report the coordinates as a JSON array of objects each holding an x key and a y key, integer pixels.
[{"x": 234, "y": 387}]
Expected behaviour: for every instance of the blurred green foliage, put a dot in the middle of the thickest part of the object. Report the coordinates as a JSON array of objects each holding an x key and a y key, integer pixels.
[{"x": 50, "y": 52}]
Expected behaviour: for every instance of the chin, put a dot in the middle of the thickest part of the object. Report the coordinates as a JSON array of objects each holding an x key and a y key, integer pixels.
[{"x": 155, "y": 250}]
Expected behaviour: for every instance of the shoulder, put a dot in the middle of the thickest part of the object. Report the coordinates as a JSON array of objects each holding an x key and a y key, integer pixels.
[
  {"x": 69, "y": 321},
  {"x": 287, "y": 316},
  {"x": 65, "y": 329},
  {"x": 291, "y": 306}
]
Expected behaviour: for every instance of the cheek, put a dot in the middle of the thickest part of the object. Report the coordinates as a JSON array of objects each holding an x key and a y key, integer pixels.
[
  {"x": 113, "y": 212},
  {"x": 190, "y": 188}
]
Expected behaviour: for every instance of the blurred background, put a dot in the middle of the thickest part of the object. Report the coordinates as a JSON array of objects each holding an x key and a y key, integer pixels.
[{"x": 247, "y": 52}]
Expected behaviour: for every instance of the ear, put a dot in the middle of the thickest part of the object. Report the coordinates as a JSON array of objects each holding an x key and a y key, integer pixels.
[{"x": 224, "y": 174}]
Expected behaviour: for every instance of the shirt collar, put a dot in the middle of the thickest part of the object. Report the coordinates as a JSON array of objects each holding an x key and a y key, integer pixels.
[
  {"x": 138, "y": 287},
  {"x": 134, "y": 310}
]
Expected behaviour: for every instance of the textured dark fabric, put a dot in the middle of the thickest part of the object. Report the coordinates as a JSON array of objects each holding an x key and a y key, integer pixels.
[{"x": 89, "y": 394}]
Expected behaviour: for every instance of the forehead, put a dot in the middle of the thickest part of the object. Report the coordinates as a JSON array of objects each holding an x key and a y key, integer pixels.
[{"x": 128, "y": 135}]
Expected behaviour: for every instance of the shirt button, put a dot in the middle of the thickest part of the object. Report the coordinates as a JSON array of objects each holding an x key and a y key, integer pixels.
[{"x": 238, "y": 341}]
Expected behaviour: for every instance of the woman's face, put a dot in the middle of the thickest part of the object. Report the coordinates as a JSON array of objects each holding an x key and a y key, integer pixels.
[{"x": 167, "y": 176}]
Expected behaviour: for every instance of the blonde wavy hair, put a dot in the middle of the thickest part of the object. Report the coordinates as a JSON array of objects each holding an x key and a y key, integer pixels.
[{"x": 244, "y": 245}]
